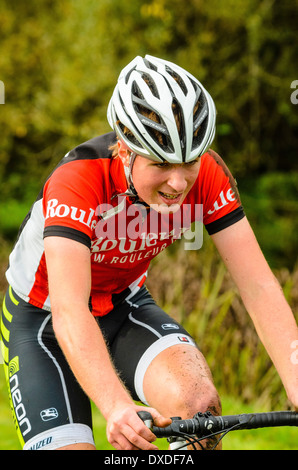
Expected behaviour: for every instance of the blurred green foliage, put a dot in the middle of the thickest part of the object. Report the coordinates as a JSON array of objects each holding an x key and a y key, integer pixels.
[{"x": 59, "y": 62}]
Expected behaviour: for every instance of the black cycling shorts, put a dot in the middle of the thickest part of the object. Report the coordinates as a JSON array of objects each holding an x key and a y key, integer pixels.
[{"x": 49, "y": 407}]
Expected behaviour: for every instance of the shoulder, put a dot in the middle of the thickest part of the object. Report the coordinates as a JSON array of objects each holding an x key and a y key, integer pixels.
[
  {"x": 85, "y": 165},
  {"x": 214, "y": 171},
  {"x": 96, "y": 148},
  {"x": 216, "y": 190},
  {"x": 212, "y": 161}
]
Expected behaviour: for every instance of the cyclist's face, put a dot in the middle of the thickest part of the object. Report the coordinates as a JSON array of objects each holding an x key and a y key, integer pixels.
[{"x": 163, "y": 185}]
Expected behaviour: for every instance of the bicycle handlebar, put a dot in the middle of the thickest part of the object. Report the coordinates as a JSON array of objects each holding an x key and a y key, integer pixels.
[{"x": 202, "y": 425}]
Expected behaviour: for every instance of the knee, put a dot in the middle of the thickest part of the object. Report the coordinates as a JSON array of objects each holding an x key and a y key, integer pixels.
[
  {"x": 209, "y": 401},
  {"x": 187, "y": 386},
  {"x": 199, "y": 399}
]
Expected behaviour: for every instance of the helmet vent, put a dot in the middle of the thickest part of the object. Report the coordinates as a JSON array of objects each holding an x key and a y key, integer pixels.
[
  {"x": 150, "y": 65},
  {"x": 127, "y": 76},
  {"x": 136, "y": 91},
  {"x": 151, "y": 85},
  {"x": 178, "y": 79}
]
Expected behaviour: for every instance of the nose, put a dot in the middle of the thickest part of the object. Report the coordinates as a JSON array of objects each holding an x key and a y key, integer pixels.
[{"x": 177, "y": 179}]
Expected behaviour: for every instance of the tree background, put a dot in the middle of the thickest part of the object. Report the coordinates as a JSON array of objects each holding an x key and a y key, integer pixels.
[{"x": 59, "y": 63}]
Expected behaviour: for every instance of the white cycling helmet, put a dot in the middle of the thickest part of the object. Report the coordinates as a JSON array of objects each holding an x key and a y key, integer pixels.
[{"x": 153, "y": 84}]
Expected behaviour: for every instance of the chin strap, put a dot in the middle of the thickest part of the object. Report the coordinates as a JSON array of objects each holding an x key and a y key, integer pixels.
[{"x": 131, "y": 191}]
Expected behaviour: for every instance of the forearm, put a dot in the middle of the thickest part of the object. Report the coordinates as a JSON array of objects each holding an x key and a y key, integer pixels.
[
  {"x": 263, "y": 298},
  {"x": 277, "y": 329},
  {"x": 85, "y": 350}
]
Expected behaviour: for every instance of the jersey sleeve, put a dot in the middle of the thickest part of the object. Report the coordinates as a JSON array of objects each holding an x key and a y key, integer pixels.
[
  {"x": 70, "y": 199},
  {"x": 221, "y": 201}
]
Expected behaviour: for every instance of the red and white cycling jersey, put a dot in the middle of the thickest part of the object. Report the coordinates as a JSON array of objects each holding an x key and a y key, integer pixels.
[{"x": 83, "y": 200}]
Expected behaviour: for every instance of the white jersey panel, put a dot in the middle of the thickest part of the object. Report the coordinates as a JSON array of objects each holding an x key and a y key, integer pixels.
[{"x": 25, "y": 257}]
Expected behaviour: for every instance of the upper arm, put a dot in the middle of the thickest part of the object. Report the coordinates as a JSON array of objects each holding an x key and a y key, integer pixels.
[
  {"x": 243, "y": 257},
  {"x": 69, "y": 272}
]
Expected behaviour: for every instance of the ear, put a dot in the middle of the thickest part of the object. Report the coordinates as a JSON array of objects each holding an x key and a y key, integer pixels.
[{"x": 123, "y": 153}]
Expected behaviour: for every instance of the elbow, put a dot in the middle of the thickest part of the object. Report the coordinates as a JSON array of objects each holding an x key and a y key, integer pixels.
[
  {"x": 262, "y": 299},
  {"x": 59, "y": 326},
  {"x": 57, "y": 322},
  {"x": 69, "y": 323},
  {"x": 260, "y": 290},
  {"x": 61, "y": 321}
]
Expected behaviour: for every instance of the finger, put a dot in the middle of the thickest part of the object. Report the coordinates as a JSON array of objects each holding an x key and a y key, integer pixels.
[
  {"x": 122, "y": 443},
  {"x": 160, "y": 420},
  {"x": 140, "y": 437},
  {"x": 142, "y": 431},
  {"x": 133, "y": 435},
  {"x": 120, "y": 438}
]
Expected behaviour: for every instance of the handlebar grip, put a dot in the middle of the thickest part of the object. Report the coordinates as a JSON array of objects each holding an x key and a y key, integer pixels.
[
  {"x": 247, "y": 421},
  {"x": 272, "y": 419},
  {"x": 146, "y": 417}
]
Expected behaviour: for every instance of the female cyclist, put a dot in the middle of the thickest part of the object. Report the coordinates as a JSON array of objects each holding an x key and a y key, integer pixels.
[{"x": 77, "y": 320}]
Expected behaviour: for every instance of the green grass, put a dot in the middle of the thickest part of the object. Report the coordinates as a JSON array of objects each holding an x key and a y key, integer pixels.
[
  {"x": 285, "y": 438},
  {"x": 261, "y": 439}
]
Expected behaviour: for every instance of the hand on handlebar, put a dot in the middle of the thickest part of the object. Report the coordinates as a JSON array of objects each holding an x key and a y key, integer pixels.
[{"x": 127, "y": 431}]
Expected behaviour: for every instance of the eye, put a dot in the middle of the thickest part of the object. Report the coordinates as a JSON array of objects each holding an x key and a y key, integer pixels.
[
  {"x": 162, "y": 165},
  {"x": 167, "y": 165},
  {"x": 192, "y": 163}
]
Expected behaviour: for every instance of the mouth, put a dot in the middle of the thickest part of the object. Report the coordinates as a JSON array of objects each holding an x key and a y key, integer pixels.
[{"x": 172, "y": 198}]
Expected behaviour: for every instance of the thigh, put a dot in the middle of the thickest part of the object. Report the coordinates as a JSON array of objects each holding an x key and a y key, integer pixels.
[{"x": 49, "y": 407}]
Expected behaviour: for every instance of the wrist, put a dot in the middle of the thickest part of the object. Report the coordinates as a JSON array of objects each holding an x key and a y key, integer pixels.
[
  {"x": 116, "y": 403},
  {"x": 293, "y": 397}
]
